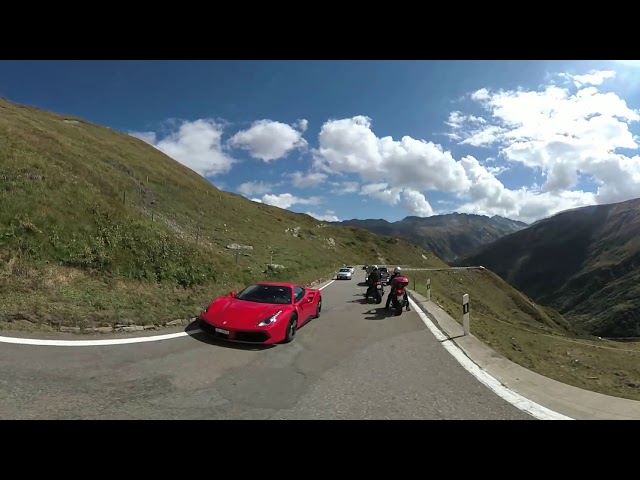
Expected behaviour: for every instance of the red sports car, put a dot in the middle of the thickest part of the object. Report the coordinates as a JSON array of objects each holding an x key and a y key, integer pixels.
[{"x": 263, "y": 313}]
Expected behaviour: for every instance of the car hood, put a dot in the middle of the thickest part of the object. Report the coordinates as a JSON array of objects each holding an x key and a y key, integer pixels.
[{"x": 240, "y": 314}]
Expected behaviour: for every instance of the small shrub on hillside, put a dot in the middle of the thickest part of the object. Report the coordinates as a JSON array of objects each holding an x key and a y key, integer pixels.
[
  {"x": 133, "y": 249},
  {"x": 362, "y": 236},
  {"x": 22, "y": 235}
]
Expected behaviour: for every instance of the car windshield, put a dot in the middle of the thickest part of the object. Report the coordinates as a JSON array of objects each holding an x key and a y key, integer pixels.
[
  {"x": 277, "y": 294},
  {"x": 345, "y": 270}
]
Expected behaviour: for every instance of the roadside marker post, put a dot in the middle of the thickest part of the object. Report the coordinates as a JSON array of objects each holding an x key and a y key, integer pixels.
[
  {"x": 465, "y": 313},
  {"x": 428, "y": 289}
]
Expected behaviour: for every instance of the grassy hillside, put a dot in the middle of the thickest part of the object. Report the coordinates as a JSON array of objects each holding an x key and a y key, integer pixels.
[
  {"x": 97, "y": 227},
  {"x": 535, "y": 336},
  {"x": 583, "y": 262},
  {"x": 448, "y": 236}
]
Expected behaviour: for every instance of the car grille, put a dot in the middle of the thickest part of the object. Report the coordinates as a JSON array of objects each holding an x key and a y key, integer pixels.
[
  {"x": 251, "y": 337},
  {"x": 210, "y": 329},
  {"x": 237, "y": 336}
]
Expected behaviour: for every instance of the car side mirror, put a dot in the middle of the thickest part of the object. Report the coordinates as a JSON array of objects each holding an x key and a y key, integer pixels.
[{"x": 233, "y": 294}]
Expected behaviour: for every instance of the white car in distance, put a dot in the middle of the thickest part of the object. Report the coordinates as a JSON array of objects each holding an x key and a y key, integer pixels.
[{"x": 344, "y": 274}]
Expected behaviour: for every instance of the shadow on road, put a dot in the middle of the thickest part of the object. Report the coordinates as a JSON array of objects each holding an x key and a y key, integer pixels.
[
  {"x": 211, "y": 340},
  {"x": 379, "y": 313},
  {"x": 362, "y": 301}
]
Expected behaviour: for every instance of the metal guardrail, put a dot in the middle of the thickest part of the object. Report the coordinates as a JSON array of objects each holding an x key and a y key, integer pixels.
[{"x": 409, "y": 269}]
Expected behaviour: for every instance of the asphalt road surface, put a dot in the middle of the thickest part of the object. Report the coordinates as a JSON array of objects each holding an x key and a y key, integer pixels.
[{"x": 354, "y": 362}]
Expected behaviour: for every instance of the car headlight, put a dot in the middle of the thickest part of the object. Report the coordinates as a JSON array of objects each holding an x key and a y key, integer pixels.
[{"x": 270, "y": 320}]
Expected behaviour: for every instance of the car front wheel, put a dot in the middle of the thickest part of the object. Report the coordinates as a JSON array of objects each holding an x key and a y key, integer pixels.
[{"x": 292, "y": 328}]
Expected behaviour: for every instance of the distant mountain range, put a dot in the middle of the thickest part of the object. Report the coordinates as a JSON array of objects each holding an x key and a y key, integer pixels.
[
  {"x": 448, "y": 236},
  {"x": 583, "y": 262}
]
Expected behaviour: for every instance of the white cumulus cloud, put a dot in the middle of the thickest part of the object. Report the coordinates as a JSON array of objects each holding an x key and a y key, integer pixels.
[
  {"x": 350, "y": 146},
  {"x": 302, "y": 125},
  {"x": 304, "y": 180},
  {"x": 594, "y": 77},
  {"x": 569, "y": 134},
  {"x": 395, "y": 171},
  {"x": 268, "y": 140},
  {"x": 574, "y": 137},
  {"x": 416, "y": 202},
  {"x": 254, "y": 188},
  {"x": 149, "y": 137},
  {"x": 196, "y": 145},
  {"x": 286, "y": 200},
  {"x": 328, "y": 216},
  {"x": 345, "y": 187},
  {"x": 565, "y": 133},
  {"x": 408, "y": 198}
]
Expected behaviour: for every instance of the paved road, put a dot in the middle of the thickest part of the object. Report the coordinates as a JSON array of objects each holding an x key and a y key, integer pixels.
[{"x": 351, "y": 363}]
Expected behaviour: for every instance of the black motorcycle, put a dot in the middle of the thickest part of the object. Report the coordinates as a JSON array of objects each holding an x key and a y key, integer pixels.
[{"x": 376, "y": 292}]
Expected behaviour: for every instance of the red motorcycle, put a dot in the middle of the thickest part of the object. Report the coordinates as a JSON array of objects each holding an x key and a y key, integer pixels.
[{"x": 399, "y": 297}]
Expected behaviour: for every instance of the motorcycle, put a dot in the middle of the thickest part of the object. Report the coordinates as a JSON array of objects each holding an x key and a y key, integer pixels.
[
  {"x": 378, "y": 292},
  {"x": 398, "y": 292}
]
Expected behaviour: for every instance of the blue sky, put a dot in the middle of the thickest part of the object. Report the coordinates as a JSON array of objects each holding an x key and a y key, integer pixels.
[{"x": 370, "y": 139}]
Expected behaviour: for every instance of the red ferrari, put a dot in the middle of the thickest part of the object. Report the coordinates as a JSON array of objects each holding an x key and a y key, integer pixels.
[{"x": 263, "y": 313}]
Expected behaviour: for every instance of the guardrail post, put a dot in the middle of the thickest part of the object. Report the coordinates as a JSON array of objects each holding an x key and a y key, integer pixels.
[
  {"x": 465, "y": 313},
  {"x": 428, "y": 289}
]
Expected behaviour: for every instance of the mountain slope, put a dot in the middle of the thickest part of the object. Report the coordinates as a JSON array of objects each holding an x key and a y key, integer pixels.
[
  {"x": 98, "y": 227},
  {"x": 448, "y": 236},
  {"x": 583, "y": 262}
]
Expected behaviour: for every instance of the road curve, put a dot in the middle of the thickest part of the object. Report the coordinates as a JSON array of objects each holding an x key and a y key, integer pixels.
[{"x": 354, "y": 362}]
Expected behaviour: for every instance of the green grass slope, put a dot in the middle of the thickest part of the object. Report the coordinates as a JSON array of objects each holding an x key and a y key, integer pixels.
[
  {"x": 535, "y": 336},
  {"x": 97, "y": 228},
  {"x": 583, "y": 262}
]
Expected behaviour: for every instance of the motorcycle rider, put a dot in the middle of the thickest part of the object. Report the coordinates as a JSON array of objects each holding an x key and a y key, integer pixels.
[
  {"x": 397, "y": 272},
  {"x": 373, "y": 278}
]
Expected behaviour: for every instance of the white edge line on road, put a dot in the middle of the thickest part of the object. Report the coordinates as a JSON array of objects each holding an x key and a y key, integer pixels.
[
  {"x": 532, "y": 408},
  {"x": 325, "y": 286},
  {"x": 95, "y": 343},
  {"x": 106, "y": 341}
]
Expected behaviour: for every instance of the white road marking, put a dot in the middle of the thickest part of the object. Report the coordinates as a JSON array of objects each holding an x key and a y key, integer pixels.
[
  {"x": 325, "y": 286},
  {"x": 106, "y": 341},
  {"x": 532, "y": 408},
  {"x": 95, "y": 343}
]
